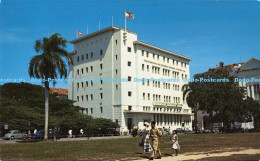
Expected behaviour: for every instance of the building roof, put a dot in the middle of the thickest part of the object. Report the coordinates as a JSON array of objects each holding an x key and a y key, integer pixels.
[
  {"x": 161, "y": 50},
  {"x": 59, "y": 91},
  {"x": 230, "y": 66},
  {"x": 110, "y": 28}
]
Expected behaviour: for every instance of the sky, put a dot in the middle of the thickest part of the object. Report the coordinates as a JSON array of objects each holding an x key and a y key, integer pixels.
[{"x": 208, "y": 31}]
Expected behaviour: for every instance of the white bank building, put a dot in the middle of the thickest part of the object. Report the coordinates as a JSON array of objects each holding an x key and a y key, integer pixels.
[{"x": 129, "y": 81}]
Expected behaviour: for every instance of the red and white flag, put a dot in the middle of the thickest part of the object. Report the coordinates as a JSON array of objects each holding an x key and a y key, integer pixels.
[
  {"x": 129, "y": 15},
  {"x": 79, "y": 33}
]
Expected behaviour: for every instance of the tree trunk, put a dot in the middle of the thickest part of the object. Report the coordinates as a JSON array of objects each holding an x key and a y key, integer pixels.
[{"x": 46, "y": 110}]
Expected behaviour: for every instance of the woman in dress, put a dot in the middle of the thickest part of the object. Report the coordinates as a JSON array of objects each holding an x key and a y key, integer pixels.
[
  {"x": 175, "y": 146},
  {"x": 146, "y": 134}
]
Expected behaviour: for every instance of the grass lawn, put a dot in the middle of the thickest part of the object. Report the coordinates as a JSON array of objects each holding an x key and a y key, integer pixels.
[{"x": 127, "y": 148}]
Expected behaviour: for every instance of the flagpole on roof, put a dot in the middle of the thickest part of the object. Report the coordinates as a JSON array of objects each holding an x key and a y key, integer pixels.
[
  {"x": 125, "y": 22},
  {"x": 87, "y": 29},
  {"x": 112, "y": 21}
]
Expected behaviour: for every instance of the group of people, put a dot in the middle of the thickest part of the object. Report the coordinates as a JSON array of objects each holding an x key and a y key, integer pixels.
[{"x": 150, "y": 141}]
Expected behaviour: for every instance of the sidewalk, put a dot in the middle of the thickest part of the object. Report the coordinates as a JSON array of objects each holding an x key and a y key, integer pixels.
[
  {"x": 93, "y": 138},
  {"x": 200, "y": 156}
]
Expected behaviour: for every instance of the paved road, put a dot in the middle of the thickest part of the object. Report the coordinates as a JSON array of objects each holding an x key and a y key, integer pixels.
[
  {"x": 69, "y": 139},
  {"x": 93, "y": 138}
]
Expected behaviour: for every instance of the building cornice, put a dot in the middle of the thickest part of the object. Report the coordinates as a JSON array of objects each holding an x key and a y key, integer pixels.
[{"x": 161, "y": 50}]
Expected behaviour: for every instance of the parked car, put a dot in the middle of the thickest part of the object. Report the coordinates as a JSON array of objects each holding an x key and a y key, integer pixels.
[
  {"x": 108, "y": 132},
  {"x": 180, "y": 130},
  {"x": 14, "y": 134},
  {"x": 40, "y": 135},
  {"x": 188, "y": 132}
]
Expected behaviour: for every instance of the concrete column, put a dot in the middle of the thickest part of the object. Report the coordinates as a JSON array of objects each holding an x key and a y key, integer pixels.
[{"x": 253, "y": 91}]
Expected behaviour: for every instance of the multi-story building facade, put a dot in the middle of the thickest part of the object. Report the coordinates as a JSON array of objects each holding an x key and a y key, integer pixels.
[{"x": 121, "y": 78}]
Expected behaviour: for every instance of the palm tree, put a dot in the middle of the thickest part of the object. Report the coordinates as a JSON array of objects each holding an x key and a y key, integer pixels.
[{"x": 48, "y": 65}]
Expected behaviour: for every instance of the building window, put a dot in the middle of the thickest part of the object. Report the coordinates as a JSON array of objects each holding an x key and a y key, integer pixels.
[
  {"x": 86, "y": 97},
  {"x": 173, "y": 61},
  {"x": 101, "y": 66},
  {"x": 82, "y": 57},
  {"x": 101, "y": 81},
  {"x": 116, "y": 87},
  {"x": 164, "y": 59},
  {"x": 91, "y": 97},
  {"x": 78, "y": 71},
  {"x": 116, "y": 71},
  {"x": 78, "y": 85},
  {"x": 129, "y": 108},
  {"x": 116, "y": 57},
  {"x": 91, "y": 83},
  {"x": 91, "y": 55},
  {"x": 168, "y": 60},
  {"x": 91, "y": 68},
  {"x": 86, "y": 69},
  {"x": 147, "y": 68},
  {"x": 86, "y": 110},
  {"x": 78, "y": 98},
  {"x": 158, "y": 57},
  {"x": 143, "y": 96},
  {"x": 82, "y": 98},
  {"x": 91, "y": 110},
  {"x": 86, "y": 83},
  {"x": 142, "y": 67},
  {"x": 129, "y": 78},
  {"x": 129, "y": 63},
  {"x": 82, "y": 84},
  {"x": 101, "y": 52},
  {"x": 142, "y": 52},
  {"x": 153, "y": 56},
  {"x": 101, "y": 109},
  {"x": 82, "y": 71},
  {"x": 78, "y": 59},
  {"x": 129, "y": 93},
  {"x": 86, "y": 56},
  {"x": 147, "y": 54},
  {"x": 129, "y": 49},
  {"x": 177, "y": 62},
  {"x": 116, "y": 42},
  {"x": 148, "y": 96},
  {"x": 101, "y": 95}
]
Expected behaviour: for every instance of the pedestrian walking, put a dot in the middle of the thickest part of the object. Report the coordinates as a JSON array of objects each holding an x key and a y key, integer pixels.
[
  {"x": 35, "y": 131},
  {"x": 54, "y": 134},
  {"x": 154, "y": 134},
  {"x": 146, "y": 138},
  {"x": 175, "y": 145},
  {"x": 70, "y": 133},
  {"x": 81, "y": 132}
]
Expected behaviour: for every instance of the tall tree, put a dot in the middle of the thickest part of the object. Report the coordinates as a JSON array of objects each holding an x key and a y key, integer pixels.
[
  {"x": 217, "y": 93},
  {"x": 49, "y": 65}
]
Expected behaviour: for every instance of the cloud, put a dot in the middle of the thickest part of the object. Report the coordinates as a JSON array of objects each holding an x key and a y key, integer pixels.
[{"x": 13, "y": 35}]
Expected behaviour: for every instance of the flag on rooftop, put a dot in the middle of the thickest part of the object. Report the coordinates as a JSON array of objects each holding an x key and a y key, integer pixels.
[
  {"x": 79, "y": 33},
  {"x": 129, "y": 15}
]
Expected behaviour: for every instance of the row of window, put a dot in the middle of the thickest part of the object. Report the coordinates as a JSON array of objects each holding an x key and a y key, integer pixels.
[
  {"x": 88, "y": 97},
  {"x": 157, "y": 98},
  {"x": 164, "y": 59},
  {"x": 165, "y": 72},
  {"x": 91, "y": 110},
  {"x": 158, "y": 84}
]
